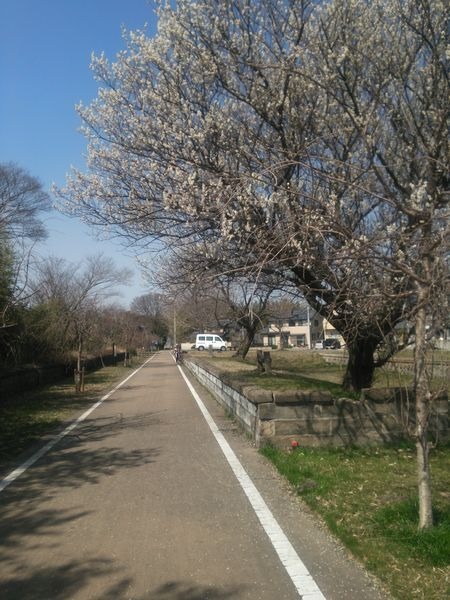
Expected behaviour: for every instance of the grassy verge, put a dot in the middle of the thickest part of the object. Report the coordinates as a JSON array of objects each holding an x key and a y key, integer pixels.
[
  {"x": 26, "y": 417},
  {"x": 289, "y": 368},
  {"x": 292, "y": 381},
  {"x": 367, "y": 497},
  {"x": 306, "y": 370}
]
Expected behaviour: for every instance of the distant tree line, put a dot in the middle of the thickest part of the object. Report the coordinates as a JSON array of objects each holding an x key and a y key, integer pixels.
[{"x": 52, "y": 310}]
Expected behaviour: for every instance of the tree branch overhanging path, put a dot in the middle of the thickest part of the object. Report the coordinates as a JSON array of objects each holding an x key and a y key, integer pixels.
[{"x": 281, "y": 135}]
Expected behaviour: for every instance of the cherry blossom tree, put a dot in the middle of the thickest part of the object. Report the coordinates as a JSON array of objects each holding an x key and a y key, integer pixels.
[
  {"x": 287, "y": 133},
  {"x": 396, "y": 104},
  {"x": 217, "y": 128}
]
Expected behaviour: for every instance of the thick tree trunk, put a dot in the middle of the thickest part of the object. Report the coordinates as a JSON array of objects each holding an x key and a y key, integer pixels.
[
  {"x": 361, "y": 363},
  {"x": 423, "y": 399},
  {"x": 264, "y": 361}
]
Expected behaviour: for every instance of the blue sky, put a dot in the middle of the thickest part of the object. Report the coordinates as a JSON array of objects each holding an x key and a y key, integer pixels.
[{"x": 45, "y": 52}]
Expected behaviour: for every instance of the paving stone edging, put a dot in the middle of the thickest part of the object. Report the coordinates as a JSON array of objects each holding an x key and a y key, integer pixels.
[{"x": 316, "y": 418}]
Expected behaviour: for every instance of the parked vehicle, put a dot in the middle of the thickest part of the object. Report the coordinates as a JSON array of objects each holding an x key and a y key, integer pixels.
[
  {"x": 210, "y": 341},
  {"x": 332, "y": 343},
  {"x": 328, "y": 344}
]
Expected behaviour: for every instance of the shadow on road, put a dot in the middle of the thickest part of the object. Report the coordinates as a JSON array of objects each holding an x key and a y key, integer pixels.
[
  {"x": 78, "y": 458},
  {"x": 69, "y": 580},
  {"x": 175, "y": 590},
  {"x": 62, "y": 582},
  {"x": 29, "y": 525}
]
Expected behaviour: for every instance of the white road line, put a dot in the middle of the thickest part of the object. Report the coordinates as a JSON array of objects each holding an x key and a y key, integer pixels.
[
  {"x": 297, "y": 571},
  {"x": 37, "y": 455}
]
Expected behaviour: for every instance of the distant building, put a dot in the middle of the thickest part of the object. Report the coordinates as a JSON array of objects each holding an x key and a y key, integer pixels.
[
  {"x": 300, "y": 329},
  {"x": 329, "y": 332}
]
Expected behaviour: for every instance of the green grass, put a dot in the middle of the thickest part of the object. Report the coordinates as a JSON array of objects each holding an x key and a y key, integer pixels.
[
  {"x": 290, "y": 381},
  {"x": 367, "y": 497},
  {"x": 26, "y": 417}
]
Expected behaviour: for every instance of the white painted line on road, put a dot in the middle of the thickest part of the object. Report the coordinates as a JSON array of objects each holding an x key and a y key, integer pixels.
[
  {"x": 299, "y": 574},
  {"x": 37, "y": 455}
]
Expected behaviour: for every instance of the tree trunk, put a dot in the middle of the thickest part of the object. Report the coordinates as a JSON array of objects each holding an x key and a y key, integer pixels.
[
  {"x": 78, "y": 371},
  {"x": 79, "y": 353},
  {"x": 361, "y": 364},
  {"x": 244, "y": 346},
  {"x": 264, "y": 361},
  {"x": 423, "y": 399}
]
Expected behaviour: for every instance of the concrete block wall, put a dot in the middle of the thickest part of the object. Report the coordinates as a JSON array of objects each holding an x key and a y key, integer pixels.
[
  {"x": 315, "y": 418},
  {"x": 230, "y": 398}
]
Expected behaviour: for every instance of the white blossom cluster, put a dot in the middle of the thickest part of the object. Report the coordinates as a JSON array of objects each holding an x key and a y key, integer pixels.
[{"x": 308, "y": 136}]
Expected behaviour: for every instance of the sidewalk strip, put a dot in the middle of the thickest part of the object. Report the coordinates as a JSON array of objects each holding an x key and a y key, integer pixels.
[
  {"x": 37, "y": 455},
  {"x": 299, "y": 574}
]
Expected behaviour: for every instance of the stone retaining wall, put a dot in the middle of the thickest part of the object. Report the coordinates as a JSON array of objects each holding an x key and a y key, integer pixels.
[
  {"x": 398, "y": 365},
  {"x": 231, "y": 399},
  {"x": 315, "y": 418}
]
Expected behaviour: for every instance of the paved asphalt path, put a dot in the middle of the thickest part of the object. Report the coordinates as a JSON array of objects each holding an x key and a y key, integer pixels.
[{"x": 139, "y": 502}]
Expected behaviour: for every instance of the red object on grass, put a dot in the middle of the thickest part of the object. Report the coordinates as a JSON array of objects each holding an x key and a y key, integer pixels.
[{"x": 294, "y": 444}]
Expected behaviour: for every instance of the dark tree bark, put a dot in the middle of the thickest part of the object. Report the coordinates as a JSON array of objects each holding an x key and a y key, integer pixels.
[
  {"x": 250, "y": 327},
  {"x": 361, "y": 364}
]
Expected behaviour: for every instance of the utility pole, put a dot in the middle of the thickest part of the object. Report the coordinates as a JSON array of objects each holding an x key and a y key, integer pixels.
[{"x": 174, "y": 328}]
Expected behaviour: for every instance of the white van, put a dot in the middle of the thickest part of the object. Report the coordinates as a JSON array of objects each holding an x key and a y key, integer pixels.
[{"x": 210, "y": 341}]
